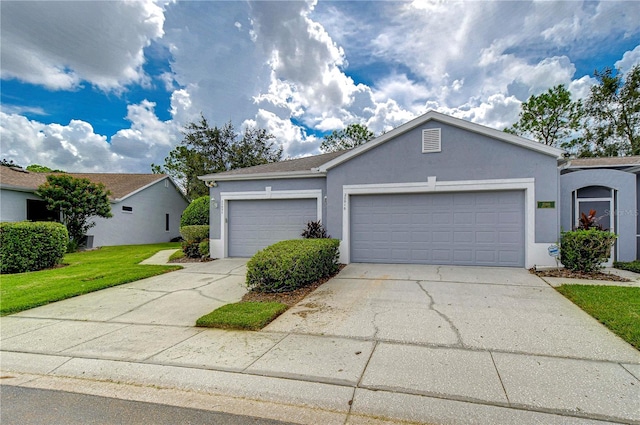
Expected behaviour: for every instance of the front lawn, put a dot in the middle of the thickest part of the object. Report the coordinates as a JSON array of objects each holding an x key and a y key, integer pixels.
[
  {"x": 85, "y": 272},
  {"x": 617, "y": 307},
  {"x": 251, "y": 316}
]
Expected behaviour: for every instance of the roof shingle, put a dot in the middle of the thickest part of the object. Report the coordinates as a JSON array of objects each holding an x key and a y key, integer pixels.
[{"x": 120, "y": 185}]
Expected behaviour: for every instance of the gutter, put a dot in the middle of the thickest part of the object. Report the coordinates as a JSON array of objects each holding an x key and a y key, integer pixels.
[{"x": 306, "y": 174}]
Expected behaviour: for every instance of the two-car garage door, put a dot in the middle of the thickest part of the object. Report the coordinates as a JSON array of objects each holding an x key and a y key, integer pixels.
[
  {"x": 461, "y": 228},
  {"x": 256, "y": 224}
]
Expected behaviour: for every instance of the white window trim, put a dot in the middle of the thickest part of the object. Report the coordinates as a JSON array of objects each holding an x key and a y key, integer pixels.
[
  {"x": 612, "y": 211},
  {"x": 225, "y": 197},
  {"x": 532, "y": 252}
]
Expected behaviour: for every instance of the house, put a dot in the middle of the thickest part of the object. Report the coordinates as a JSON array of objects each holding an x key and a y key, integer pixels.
[
  {"x": 146, "y": 208},
  {"x": 611, "y": 187},
  {"x": 436, "y": 190}
]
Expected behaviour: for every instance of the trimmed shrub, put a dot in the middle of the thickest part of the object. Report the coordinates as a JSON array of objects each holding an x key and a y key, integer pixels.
[
  {"x": 289, "y": 265},
  {"x": 203, "y": 248},
  {"x": 197, "y": 213},
  {"x": 585, "y": 250},
  {"x": 30, "y": 246},
  {"x": 194, "y": 233},
  {"x": 193, "y": 237}
]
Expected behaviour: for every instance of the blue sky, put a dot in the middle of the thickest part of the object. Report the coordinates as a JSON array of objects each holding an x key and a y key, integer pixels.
[{"x": 107, "y": 86}]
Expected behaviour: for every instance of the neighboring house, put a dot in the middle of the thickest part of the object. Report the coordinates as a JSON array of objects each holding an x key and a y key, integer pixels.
[
  {"x": 611, "y": 187},
  {"x": 436, "y": 190},
  {"x": 146, "y": 208}
]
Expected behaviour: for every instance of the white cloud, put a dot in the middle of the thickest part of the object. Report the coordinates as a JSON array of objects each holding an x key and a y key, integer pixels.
[
  {"x": 629, "y": 60},
  {"x": 59, "y": 44}
]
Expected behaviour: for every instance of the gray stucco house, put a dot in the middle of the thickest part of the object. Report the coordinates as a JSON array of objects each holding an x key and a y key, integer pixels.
[
  {"x": 146, "y": 208},
  {"x": 436, "y": 190}
]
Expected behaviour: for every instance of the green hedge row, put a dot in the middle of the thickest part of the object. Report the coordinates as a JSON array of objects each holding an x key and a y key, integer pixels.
[
  {"x": 292, "y": 264},
  {"x": 584, "y": 250},
  {"x": 30, "y": 246}
]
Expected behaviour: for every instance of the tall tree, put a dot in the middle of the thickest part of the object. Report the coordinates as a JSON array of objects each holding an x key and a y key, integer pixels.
[
  {"x": 612, "y": 124},
  {"x": 550, "y": 118},
  {"x": 205, "y": 150},
  {"x": 78, "y": 200},
  {"x": 350, "y": 137}
]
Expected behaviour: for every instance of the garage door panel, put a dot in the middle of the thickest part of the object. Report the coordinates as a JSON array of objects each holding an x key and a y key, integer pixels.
[
  {"x": 463, "y": 228},
  {"x": 256, "y": 224}
]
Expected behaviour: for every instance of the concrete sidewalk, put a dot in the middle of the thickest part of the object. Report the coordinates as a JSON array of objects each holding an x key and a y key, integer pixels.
[{"x": 375, "y": 345}]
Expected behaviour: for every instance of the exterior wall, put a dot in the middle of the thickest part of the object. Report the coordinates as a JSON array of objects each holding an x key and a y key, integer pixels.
[
  {"x": 627, "y": 208},
  {"x": 256, "y": 189},
  {"x": 146, "y": 223},
  {"x": 465, "y": 156},
  {"x": 13, "y": 204}
]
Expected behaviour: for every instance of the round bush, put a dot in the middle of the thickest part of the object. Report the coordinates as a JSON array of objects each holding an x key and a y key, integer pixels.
[
  {"x": 197, "y": 213},
  {"x": 30, "y": 246},
  {"x": 194, "y": 233},
  {"x": 585, "y": 250}
]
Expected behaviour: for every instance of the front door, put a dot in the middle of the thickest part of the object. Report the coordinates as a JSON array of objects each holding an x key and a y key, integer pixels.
[{"x": 601, "y": 200}]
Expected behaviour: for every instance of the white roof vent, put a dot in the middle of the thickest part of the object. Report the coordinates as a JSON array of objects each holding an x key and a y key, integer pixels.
[{"x": 431, "y": 140}]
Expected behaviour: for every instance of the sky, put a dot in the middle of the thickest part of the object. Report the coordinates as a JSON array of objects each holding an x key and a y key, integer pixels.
[{"x": 108, "y": 86}]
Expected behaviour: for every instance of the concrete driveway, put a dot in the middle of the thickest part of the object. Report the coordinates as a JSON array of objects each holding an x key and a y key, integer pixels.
[
  {"x": 475, "y": 308},
  {"x": 445, "y": 345}
]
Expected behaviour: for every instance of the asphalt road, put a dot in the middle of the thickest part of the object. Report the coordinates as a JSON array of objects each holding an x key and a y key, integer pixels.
[{"x": 30, "y": 406}]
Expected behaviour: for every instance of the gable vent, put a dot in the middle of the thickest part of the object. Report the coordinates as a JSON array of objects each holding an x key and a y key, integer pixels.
[{"x": 431, "y": 140}]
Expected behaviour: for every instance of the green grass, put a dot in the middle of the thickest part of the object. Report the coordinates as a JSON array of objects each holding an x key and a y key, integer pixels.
[
  {"x": 86, "y": 271},
  {"x": 632, "y": 266},
  {"x": 617, "y": 307},
  {"x": 251, "y": 316},
  {"x": 177, "y": 255}
]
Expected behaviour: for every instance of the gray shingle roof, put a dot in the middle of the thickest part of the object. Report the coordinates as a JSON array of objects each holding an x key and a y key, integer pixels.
[
  {"x": 610, "y": 161},
  {"x": 289, "y": 165}
]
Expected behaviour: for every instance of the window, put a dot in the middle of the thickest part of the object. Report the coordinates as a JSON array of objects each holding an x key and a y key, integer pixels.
[
  {"x": 431, "y": 140},
  {"x": 37, "y": 211},
  {"x": 127, "y": 209},
  {"x": 166, "y": 222}
]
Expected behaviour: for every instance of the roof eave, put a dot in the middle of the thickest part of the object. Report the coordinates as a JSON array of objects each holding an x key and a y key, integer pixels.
[
  {"x": 446, "y": 119},
  {"x": 264, "y": 176}
]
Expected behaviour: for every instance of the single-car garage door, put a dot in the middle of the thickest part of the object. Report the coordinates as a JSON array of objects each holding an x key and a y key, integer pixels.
[
  {"x": 255, "y": 224},
  {"x": 461, "y": 228}
]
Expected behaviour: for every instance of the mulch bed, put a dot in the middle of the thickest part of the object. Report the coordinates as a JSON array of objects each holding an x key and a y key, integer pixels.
[
  {"x": 578, "y": 275},
  {"x": 289, "y": 298}
]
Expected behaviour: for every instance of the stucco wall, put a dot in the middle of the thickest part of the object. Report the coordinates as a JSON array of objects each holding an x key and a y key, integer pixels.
[
  {"x": 625, "y": 184},
  {"x": 146, "y": 223},
  {"x": 13, "y": 204},
  {"x": 465, "y": 155}
]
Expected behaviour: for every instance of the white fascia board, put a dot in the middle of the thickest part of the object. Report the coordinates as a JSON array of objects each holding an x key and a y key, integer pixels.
[
  {"x": 175, "y": 186},
  {"x": 17, "y": 188},
  {"x": 454, "y": 122},
  {"x": 264, "y": 176},
  {"x": 140, "y": 189}
]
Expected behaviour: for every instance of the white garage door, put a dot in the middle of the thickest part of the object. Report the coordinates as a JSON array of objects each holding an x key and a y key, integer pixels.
[
  {"x": 461, "y": 228},
  {"x": 256, "y": 224}
]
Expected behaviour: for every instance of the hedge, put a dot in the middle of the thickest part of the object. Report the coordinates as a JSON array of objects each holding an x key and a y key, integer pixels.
[
  {"x": 30, "y": 246},
  {"x": 289, "y": 265},
  {"x": 196, "y": 213},
  {"x": 585, "y": 250},
  {"x": 195, "y": 233},
  {"x": 194, "y": 238}
]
